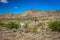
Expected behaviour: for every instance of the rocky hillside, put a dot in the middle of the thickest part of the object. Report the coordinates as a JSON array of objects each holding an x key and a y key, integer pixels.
[
  {"x": 31, "y": 25},
  {"x": 32, "y": 13}
]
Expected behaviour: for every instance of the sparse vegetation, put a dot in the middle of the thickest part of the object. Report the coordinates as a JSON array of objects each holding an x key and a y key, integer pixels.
[
  {"x": 9, "y": 24},
  {"x": 35, "y": 29},
  {"x": 26, "y": 26},
  {"x": 30, "y": 28},
  {"x": 12, "y": 25},
  {"x": 30, "y": 25}
]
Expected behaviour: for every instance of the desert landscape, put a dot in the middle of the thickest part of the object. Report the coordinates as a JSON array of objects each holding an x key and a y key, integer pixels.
[{"x": 30, "y": 25}]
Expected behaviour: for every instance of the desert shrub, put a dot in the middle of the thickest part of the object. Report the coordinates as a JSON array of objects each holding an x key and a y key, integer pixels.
[
  {"x": 12, "y": 25},
  {"x": 26, "y": 26},
  {"x": 35, "y": 19},
  {"x": 40, "y": 24},
  {"x": 1, "y": 23},
  {"x": 55, "y": 25}
]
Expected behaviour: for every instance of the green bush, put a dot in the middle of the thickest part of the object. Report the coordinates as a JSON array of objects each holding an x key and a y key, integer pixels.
[
  {"x": 9, "y": 24},
  {"x": 1, "y": 23},
  {"x": 55, "y": 25},
  {"x": 26, "y": 26},
  {"x": 12, "y": 25}
]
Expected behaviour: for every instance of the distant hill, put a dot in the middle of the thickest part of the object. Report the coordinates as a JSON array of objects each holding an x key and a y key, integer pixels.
[{"x": 32, "y": 13}]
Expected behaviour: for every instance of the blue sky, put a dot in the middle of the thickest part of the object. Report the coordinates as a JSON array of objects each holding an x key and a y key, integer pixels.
[{"x": 18, "y": 6}]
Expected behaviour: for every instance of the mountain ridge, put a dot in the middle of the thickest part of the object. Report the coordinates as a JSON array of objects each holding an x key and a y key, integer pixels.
[{"x": 32, "y": 13}]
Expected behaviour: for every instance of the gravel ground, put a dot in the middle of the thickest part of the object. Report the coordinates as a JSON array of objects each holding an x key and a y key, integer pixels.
[{"x": 17, "y": 35}]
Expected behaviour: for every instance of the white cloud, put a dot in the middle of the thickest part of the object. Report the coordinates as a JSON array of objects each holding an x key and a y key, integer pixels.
[{"x": 4, "y": 1}]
